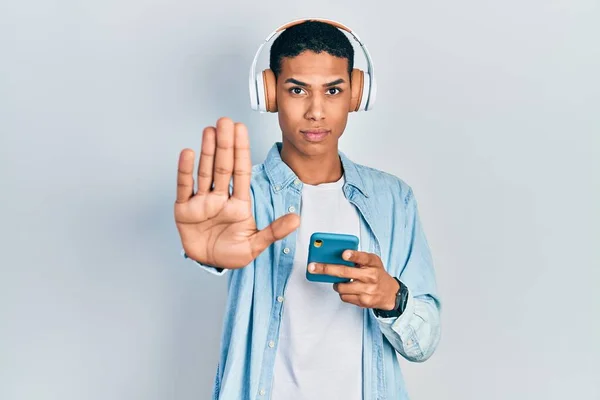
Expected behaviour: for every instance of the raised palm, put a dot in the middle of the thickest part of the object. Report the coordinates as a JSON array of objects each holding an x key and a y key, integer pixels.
[{"x": 217, "y": 227}]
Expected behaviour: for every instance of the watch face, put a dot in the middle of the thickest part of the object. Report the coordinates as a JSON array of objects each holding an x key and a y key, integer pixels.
[{"x": 401, "y": 298}]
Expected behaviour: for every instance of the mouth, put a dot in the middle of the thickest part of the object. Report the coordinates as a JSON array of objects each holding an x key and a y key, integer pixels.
[{"x": 315, "y": 135}]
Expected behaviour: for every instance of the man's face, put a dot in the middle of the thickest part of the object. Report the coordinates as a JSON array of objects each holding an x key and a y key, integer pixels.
[{"x": 313, "y": 98}]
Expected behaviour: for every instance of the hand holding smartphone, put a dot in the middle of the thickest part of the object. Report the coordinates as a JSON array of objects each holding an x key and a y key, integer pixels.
[{"x": 327, "y": 248}]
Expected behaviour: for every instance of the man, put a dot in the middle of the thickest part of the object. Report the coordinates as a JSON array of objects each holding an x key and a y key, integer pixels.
[{"x": 285, "y": 337}]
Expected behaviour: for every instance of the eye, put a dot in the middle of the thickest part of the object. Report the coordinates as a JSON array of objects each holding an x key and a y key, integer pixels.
[
  {"x": 329, "y": 91},
  {"x": 296, "y": 90}
]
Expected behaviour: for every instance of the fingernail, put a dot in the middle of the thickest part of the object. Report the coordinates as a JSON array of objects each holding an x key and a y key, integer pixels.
[
  {"x": 311, "y": 267},
  {"x": 348, "y": 255}
]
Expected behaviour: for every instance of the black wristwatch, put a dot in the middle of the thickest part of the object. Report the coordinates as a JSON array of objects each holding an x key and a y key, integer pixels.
[{"x": 399, "y": 307}]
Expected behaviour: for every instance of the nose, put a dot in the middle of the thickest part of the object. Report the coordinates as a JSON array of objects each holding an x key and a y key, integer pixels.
[{"x": 316, "y": 108}]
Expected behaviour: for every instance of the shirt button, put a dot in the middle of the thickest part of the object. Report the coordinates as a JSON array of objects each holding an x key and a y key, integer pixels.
[
  {"x": 262, "y": 392},
  {"x": 280, "y": 299},
  {"x": 286, "y": 250},
  {"x": 410, "y": 342},
  {"x": 291, "y": 209},
  {"x": 277, "y": 187},
  {"x": 296, "y": 181},
  {"x": 271, "y": 344}
]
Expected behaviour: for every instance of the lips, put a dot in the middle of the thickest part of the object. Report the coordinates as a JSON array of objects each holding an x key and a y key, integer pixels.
[
  {"x": 315, "y": 134},
  {"x": 315, "y": 131}
]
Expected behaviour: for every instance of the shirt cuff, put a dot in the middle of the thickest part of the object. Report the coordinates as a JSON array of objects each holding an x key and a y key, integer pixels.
[
  {"x": 402, "y": 330},
  {"x": 210, "y": 269}
]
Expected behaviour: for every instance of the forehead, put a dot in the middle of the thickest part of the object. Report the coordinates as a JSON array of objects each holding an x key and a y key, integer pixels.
[{"x": 314, "y": 66}]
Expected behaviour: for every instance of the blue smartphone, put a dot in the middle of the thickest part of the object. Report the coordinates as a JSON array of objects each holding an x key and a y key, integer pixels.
[{"x": 328, "y": 248}]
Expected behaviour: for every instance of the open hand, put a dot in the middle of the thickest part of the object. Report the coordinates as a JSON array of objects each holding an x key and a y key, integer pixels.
[{"x": 217, "y": 227}]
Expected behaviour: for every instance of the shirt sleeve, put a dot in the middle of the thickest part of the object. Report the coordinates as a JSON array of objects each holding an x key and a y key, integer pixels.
[
  {"x": 210, "y": 269},
  {"x": 416, "y": 333}
]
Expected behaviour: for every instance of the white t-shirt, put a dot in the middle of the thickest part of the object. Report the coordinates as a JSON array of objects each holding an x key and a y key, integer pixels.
[{"x": 319, "y": 354}]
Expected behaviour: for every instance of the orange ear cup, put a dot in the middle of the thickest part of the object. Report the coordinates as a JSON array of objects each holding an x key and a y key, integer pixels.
[
  {"x": 270, "y": 88},
  {"x": 358, "y": 78}
]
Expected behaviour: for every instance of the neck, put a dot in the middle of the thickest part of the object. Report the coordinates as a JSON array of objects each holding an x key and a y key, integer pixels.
[{"x": 313, "y": 170}]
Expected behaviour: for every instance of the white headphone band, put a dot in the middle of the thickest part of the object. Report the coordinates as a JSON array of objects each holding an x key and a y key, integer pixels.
[{"x": 253, "y": 84}]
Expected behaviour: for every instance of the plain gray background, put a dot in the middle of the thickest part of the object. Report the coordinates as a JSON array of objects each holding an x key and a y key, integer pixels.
[{"x": 488, "y": 109}]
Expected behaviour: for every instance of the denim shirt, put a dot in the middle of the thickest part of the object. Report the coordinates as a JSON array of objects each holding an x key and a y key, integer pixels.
[{"x": 389, "y": 227}]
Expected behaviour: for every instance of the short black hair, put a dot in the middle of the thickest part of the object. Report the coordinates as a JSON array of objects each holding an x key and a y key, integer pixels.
[{"x": 316, "y": 36}]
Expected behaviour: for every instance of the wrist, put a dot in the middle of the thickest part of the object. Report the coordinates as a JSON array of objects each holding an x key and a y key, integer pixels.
[
  {"x": 390, "y": 298},
  {"x": 400, "y": 301}
]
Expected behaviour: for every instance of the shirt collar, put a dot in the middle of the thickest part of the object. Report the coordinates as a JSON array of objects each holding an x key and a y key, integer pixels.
[{"x": 281, "y": 175}]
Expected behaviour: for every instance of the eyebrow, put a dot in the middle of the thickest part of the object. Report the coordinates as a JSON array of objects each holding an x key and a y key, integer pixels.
[{"x": 297, "y": 82}]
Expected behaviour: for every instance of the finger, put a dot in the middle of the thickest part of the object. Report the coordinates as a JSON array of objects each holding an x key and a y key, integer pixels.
[
  {"x": 242, "y": 167},
  {"x": 356, "y": 287},
  {"x": 185, "y": 180},
  {"x": 340, "y": 271},
  {"x": 351, "y": 298},
  {"x": 224, "y": 156},
  {"x": 207, "y": 159},
  {"x": 277, "y": 230},
  {"x": 362, "y": 258}
]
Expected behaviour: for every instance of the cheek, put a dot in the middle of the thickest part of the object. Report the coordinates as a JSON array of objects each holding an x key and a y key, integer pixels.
[
  {"x": 290, "y": 112},
  {"x": 341, "y": 119},
  {"x": 288, "y": 121}
]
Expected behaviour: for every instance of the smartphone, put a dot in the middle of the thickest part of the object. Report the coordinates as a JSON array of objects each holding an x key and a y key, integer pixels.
[{"x": 328, "y": 248}]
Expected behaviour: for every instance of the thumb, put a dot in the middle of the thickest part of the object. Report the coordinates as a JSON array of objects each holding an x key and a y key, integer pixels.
[{"x": 277, "y": 230}]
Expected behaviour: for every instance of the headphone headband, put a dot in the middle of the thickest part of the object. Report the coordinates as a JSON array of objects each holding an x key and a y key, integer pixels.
[
  {"x": 299, "y": 21},
  {"x": 253, "y": 84}
]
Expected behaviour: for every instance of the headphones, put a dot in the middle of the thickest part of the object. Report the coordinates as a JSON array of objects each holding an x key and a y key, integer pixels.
[{"x": 263, "y": 85}]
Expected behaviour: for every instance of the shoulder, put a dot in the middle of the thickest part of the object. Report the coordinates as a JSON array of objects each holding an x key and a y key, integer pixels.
[
  {"x": 259, "y": 182},
  {"x": 259, "y": 174},
  {"x": 381, "y": 183}
]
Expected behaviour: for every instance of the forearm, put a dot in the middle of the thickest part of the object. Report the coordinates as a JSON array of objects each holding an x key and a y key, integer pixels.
[{"x": 416, "y": 333}]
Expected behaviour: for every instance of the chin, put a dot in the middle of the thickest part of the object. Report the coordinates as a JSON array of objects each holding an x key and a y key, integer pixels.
[
  {"x": 316, "y": 147},
  {"x": 311, "y": 145}
]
